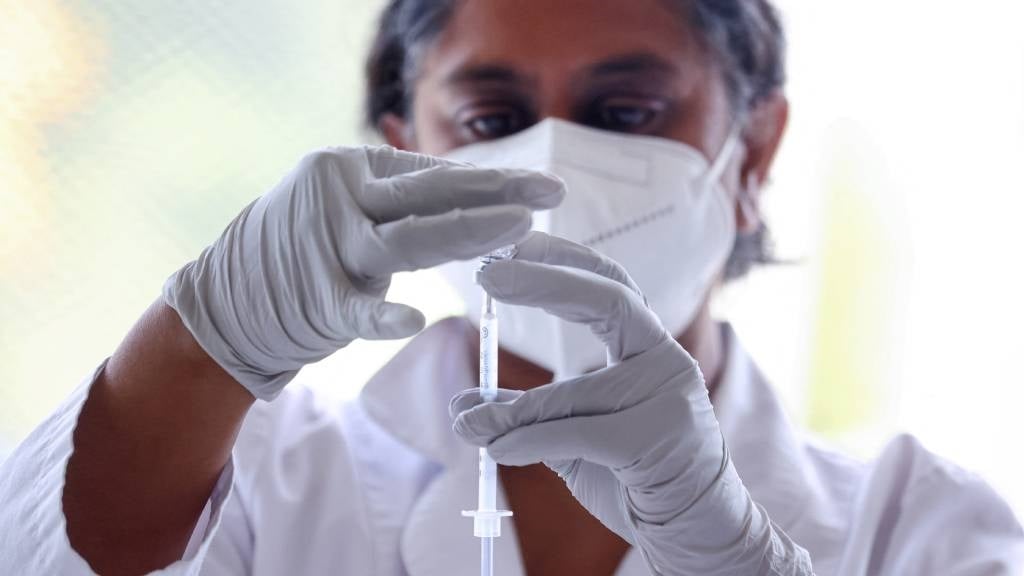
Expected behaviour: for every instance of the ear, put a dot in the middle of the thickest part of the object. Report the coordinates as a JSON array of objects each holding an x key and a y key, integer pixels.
[
  {"x": 761, "y": 139},
  {"x": 396, "y": 131}
]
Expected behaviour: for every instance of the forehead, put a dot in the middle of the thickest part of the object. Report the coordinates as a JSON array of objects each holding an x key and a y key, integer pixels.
[{"x": 560, "y": 36}]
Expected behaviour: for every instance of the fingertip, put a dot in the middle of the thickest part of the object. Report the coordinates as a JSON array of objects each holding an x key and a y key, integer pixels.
[
  {"x": 497, "y": 454},
  {"x": 534, "y": 247},
  {"x": 537, "y": 190},
  {"x": 545, "y": 190},
  {"x": 500, "y": 453},
  {"x": 514, "y": 221},
  {"x": 453, "y": 411},
  {"x": 554, "y": 187},
  {"x": 463, "y": 401},
  {"x": 400, "y": 321},
  {"x": 464, "y": 429},
  {"x": 496, "y": 277},
  {"x": 492, "y": 227}
]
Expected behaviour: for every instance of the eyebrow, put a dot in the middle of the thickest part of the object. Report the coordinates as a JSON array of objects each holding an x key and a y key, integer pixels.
[
  {"x": 631, "y": 64},
  {"x": 489, "y": 73},
  {"x": 639, "y": 63}
]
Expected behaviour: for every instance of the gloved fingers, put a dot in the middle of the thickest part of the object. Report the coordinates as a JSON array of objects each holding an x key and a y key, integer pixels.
[
  {"x": 418, "y": 242},
  {"x": 615, "y": 440},
  {"x": 614, "y": 313},
  {"x": 387, "y": 161},
  {"x": 546, "y": 249},
  {"x": 622, "y": 441},
  {"x": 470, "y": 398},
  {"x": 443, "y": 188},
  {"x": 609, "y": 390},
  {"x": 373, "y": 318}
]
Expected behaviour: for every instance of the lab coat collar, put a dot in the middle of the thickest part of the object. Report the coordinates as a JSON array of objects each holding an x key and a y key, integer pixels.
[
  {"x": 768, "y": 451},
  {"x": 409, "y": 398}
]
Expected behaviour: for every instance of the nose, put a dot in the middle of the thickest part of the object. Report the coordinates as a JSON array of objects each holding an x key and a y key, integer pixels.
[{"x": 554, "y": 100}]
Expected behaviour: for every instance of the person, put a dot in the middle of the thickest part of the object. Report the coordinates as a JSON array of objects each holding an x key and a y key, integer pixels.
[{"x": 657, "y": 122}]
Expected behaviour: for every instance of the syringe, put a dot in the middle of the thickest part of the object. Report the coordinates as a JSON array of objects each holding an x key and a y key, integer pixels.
[{"x": 486, "y": 518}]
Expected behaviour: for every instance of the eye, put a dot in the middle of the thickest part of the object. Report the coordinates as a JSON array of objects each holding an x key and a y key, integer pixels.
[
  {"x": 495, "y": 123},
  {"x": 634, "y": 115}
]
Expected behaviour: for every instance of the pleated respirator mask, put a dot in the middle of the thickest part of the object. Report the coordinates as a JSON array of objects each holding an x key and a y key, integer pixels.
[{"x": 655, "y": 206}]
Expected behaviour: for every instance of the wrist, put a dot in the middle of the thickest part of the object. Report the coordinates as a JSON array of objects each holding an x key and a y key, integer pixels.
[
  {"x": 161, "y": 361},
  {"x": 734, "y": 534}
]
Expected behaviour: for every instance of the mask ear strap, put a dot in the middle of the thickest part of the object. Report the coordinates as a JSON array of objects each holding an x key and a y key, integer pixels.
[{"x": 724, "y": 155}]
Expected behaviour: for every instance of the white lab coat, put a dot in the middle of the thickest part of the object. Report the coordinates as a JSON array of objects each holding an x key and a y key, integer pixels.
[{"x": 377, "y": 486}]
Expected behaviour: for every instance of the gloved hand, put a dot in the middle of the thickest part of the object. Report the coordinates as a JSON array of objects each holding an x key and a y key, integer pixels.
[
  {"x": 304, "y": 270},
  {"x": 636, "y": 442}
]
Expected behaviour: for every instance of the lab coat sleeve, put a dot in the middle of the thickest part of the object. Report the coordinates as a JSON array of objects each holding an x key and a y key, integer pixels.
[
  {"x": 33, "y": 535},
  {"x": 928, "y": 516}
]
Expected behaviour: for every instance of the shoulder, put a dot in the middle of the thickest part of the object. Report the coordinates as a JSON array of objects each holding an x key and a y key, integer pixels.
[
  {"x": 934, "y": 490},
  {"x": 934, "y": 516}
]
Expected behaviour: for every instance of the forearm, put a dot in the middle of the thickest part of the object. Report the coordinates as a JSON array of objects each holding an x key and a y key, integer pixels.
[
  {"x": 299, "y": 273},
  {"x": 151, "y": 441}
]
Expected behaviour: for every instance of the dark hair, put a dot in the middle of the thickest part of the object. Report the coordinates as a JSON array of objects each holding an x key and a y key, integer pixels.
[{"x": 745, "y": 38}]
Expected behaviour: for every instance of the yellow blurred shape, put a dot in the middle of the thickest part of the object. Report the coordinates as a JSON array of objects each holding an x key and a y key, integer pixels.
[
  {"x": 851, "y": 336},
  {"x": 48, "y": 65},
  {"x": 48, "y": 59}
]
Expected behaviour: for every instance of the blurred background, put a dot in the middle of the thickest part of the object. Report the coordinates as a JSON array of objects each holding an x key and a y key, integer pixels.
[{"x": 131, "y": 133}]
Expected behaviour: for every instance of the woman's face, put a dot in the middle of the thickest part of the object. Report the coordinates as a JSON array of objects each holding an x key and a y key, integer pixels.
[{"x": 631, "y": 66}]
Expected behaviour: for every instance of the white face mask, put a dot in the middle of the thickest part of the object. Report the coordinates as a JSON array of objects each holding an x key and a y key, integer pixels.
[{"x": 655, "y": 206}]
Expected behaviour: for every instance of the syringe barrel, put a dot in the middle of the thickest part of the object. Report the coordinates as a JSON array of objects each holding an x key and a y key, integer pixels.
[
  {"x": 487, "y": 490},
  {"x": 488, "y": 351},
  {"x": 487, "y": 498}
]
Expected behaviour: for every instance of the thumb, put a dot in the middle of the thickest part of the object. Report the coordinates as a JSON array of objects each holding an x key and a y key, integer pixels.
[{"x": 373, "y": 318}]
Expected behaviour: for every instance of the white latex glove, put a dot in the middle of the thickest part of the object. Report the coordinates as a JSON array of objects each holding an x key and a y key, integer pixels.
[
  {"x": 636, "y": 442},
  {"x": 304, "y": 270}
]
